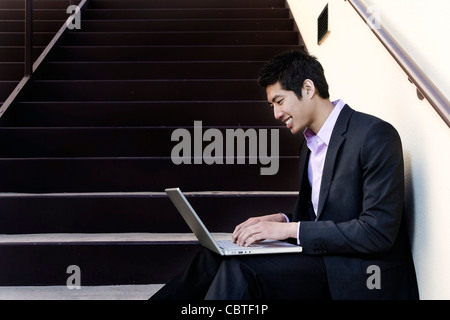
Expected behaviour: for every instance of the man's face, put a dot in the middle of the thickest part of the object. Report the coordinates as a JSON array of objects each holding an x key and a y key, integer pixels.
[{"x": 295, "y": 113}]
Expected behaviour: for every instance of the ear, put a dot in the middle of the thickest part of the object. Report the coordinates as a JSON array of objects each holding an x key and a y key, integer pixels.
[{"x": 309, "y": 88}]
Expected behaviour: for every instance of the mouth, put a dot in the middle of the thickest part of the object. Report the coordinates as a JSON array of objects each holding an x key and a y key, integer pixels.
[{"x": 288, "y": 122}]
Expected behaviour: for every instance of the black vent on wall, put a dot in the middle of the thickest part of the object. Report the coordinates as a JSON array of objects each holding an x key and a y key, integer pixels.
[{"x": 322, "y": 25}]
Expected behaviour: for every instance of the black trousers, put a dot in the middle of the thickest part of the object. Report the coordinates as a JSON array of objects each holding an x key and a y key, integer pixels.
[{"x": 281, "y": 276}]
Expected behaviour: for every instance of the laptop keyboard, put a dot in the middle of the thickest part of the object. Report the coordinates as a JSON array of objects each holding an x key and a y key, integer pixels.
[{"x": 228, "y": 244}]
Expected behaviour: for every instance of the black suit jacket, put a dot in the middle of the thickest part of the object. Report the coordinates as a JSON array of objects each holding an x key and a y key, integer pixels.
[{"x": 360, "y": 220}]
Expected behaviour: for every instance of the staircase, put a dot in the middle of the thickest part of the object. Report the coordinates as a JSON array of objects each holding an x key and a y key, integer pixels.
[{"x": 85, "y": 149}]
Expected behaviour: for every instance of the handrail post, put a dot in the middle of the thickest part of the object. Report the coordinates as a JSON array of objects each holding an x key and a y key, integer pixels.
[{"x": 28, "y": 37}]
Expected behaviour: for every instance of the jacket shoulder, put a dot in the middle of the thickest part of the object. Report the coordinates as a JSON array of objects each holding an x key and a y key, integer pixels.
[{"x": 363, "y": 121}]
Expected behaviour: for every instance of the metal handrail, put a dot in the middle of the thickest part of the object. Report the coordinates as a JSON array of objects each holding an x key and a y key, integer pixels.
[
  {"x": 31, "y": 67},
  {"x": 416, "y": 75}
]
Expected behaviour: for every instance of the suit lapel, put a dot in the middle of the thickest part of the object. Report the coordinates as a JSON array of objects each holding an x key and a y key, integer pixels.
[
  {"x": 304, "y": 195},
  {"x": 337, "y": 138},
  {"x": 303, "y": 165}
]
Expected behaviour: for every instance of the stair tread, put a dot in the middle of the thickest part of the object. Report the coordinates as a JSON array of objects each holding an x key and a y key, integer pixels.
[
  {"x": 61, "y": 292},
  {"x": 107, "y": 238},
  {"x": 210, "y": 193}
]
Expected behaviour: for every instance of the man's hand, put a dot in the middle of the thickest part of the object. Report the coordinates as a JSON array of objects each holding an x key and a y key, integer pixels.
[{"x": 257, "y": 229}]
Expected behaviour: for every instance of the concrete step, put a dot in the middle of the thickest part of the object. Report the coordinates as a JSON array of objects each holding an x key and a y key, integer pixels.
[
  {"x": 95, "y": 259},
  {"x": 121, "y": 292},
  {"x": 103, "y": 238}
]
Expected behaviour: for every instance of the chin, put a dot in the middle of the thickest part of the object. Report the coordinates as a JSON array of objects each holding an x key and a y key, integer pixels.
[{"x": 294, "y": 130}]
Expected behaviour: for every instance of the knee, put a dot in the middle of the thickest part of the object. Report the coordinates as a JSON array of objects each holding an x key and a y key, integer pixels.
[{"x": 231, "y": 282}]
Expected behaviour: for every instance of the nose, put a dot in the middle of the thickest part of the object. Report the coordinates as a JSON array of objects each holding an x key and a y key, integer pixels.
[{"x": 277, "y": 113}]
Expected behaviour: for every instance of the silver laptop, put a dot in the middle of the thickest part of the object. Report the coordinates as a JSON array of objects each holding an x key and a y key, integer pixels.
[{"x": 223, "y": 247}]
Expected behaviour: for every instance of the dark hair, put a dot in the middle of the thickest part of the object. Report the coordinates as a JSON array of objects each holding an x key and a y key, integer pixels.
[{"x": 291, "y": 69}]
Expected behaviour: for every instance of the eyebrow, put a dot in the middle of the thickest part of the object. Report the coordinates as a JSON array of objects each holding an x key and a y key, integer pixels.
[{"x": 276, "y": 97}]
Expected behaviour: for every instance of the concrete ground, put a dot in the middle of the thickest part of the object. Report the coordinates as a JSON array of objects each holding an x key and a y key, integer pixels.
[{"x": 123, "y": 292}]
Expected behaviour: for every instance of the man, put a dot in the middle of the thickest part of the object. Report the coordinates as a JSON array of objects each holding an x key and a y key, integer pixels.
[{"x": 348, "y": 217}]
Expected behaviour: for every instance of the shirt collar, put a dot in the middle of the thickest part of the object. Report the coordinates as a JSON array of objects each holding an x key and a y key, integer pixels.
[{"x": 327, "y": 129}]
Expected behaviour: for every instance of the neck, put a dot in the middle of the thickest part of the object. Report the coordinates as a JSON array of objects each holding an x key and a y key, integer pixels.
[{"x": 323, "y": 109}]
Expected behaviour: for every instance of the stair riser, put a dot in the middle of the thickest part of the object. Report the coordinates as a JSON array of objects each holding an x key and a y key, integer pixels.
[
  {"x": 120, "y": 14},
  {"x": 192, "y": 13},
  {"x": 144, "y": 174},
  {"x": 11, "y": 72},
  {"x": 180, "y": 38},
  {"x": 170, "y": 53},
  {"x": 6, "y": 88},
  {"x": 150, "y": 70},
  {"x": 175, "y": 90},
  {"x": 17, "y": 54},
  {"x": 18, "y": 39},
  {"x": 136, "y": 4},
  {"x": 102, "y": 264},
  {"x": 130, "y": 213},
  {"x": 181, "y": 25},
  {"x": 41, "y": 14},
  {"x": 112, "y": 142},
  {"x": 37, "y": 4},
  {"x": 215, "y": 113},
  {"x": 38, "y": 26}
]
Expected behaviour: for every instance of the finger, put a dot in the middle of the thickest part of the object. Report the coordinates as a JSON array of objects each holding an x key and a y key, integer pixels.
[
  {"x": 241, "y": 227},
  {"x": 249, "y": 241},
  {"x": 236, "y": 234},
  {"x": 255, "y": 233},
  {"x": 241, "y": 236},
  {"x": 247, "y": 233},
  {"x": 237, "y": 231},
  {"x": 257, "y": 237}
]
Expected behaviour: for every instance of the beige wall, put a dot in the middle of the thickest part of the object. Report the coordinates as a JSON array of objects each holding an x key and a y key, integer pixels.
[
  {"x": 421, "y": 27},
  {"x": 361, "y": 72}
]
